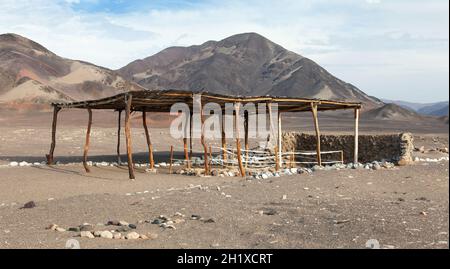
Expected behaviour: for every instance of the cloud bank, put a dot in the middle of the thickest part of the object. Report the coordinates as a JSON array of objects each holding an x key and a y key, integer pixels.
[{"x": 391, "y": 49}]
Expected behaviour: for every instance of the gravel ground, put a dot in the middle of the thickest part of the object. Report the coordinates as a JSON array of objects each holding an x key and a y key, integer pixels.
[{"x": 403, "y": 207}]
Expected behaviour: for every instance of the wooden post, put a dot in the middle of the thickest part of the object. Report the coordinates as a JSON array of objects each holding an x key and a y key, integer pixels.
[
  {"x": 171, "y": 160},
  {"x": 128, "y": 99},
  {"x": 210, "y": 160},
  {"x": 246, "y": 137},
  {"x": 86, "y": 144},
  {"x": 190, "y": 136},
  {"x": 316, "y": 127},
  {"x": 238, "y": 140},
  {"x": 355, "y": 154},
  {"x": 49, "y": 156},
  {"x": 280, "y": 158},
  {"x": 151, "y": 162},
  {"x": 277, "y": 163},
  {"x": 224, "y": 141},
  {"x": 269, "y": 107},
  {"x": 202, "y": 138},
  {"x": 119, "y": 161},
  {"x": 186, "y": 153},
  {"x": 342, "y": 157}
]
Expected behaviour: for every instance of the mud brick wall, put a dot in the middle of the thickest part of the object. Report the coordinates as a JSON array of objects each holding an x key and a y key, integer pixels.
[{"x": 391, "y": 147}]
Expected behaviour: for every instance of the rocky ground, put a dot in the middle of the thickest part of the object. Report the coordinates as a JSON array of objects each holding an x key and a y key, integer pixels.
[
  {"x": 44, "y": 207},
  {"x": 401, "y": 207}
]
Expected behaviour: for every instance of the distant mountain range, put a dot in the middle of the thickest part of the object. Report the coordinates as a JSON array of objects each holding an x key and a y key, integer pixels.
[
  {"x": 432, "y": 109},
  {"x": 244, "y": 64},
  {"x": 31, "y": 74}
]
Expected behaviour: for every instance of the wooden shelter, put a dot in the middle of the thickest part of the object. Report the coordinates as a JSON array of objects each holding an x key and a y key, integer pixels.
[{"x": 162, "y": 101}]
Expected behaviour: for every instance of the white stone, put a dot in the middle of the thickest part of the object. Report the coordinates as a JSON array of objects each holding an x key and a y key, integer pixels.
[
  {"x": 23, "y": 163},
  {"x": 87, "y": 234},
  {"x": 132, "y": 235},
  {"x": 13, "y": 164},
  {"x": 106, "y": 234}
]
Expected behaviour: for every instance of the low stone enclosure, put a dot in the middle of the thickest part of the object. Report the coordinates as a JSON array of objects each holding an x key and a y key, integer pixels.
[{"x": 396, "y": 148}]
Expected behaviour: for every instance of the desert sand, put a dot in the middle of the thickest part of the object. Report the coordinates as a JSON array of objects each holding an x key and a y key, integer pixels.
[{"x": 402, "y": 207}]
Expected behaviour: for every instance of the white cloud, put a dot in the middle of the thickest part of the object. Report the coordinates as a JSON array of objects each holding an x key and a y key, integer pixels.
[{"x": 351, "y": 38}]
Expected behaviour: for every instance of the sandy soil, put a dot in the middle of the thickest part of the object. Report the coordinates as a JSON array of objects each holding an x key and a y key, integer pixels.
[{"x": 404, "y": 207}]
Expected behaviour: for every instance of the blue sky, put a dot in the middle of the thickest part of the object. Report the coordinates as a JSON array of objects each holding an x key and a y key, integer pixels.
[{"x": 390, "y": 49}]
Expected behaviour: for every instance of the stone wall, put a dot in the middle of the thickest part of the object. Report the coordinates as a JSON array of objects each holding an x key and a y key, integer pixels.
[{"x": 390, "y": 147}]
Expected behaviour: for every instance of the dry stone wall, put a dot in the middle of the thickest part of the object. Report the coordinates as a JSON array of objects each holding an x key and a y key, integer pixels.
[{"x": 390, "y": 147}]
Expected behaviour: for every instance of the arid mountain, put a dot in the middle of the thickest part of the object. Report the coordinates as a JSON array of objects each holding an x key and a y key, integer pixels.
[
  {"x": 244, "y": 64},
  {"x": 31, "y": 74},
  {"x": 391, "y": 112},
  {"x": 432, "y": 109}
]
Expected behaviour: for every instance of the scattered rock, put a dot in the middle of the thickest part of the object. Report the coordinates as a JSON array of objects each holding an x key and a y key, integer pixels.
[
  {"x": 270, "y": 212},
  {"x": 210, "y": 220},
  {"x": 132, "y": 226},
  {"x": 132, "y": 235},
  {"x": 195, "y": 217},
  {"x": 59, "y": 229},
  {"x": 143, "y": 236},
  {"x": 123, "y": 229},
  {"x": 87, "y": 227},
  {"x": 114, "y": 223},
  {"x": 74, "y": 229},
  {"x": 117, "y": 235},
  {"x": 29, "y": 204},
  {"x": 123, "y": 223},
  {"x": 152, "y": 235},
  {"x": 87, "y": 234},
  {"x": 106, "y": 234},
  {"x": 51, "y": 227}
]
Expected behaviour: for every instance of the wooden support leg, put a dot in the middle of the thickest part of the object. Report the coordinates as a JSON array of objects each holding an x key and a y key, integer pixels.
[
  {"x": 151, "y": 162},
  {"x": 49, "y": 156},
  {"x": 186, "y": 153},
  {"x": 128, "y": 100},
  {"x": 190, "y": 138},
  {"x": 119, "y": 161},
  {"x": 210, "y": 160},
  {"x": 224, "y": 141},
  {"x": 86, "y": 144},
  {"x": 280, "y": 157},
  {"x": 202, "y": 138},
  {"x": 171, "y": 160},
  {"x": 316, "y": 127},
  {"x": 238, "y": 140},
  {"x": 355, "y": 154},
  {"x": 246, "y": 137}
]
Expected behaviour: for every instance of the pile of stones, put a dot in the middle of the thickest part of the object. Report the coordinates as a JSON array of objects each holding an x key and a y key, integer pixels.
[{"x": 122, "y": 230}]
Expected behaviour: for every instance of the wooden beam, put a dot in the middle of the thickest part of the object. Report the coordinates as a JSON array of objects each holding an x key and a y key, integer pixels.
[
  {"x": 128, "y": 100},
  {"x": 238, "y": 140},
  {"x": 86, "y": 144},
  {"x": 49, "y": 156},
  {"x": 316, "y": 127},
  {"x": 355, "y": 154},
  {"x": 119, "y": 161},
  {"x": 280, "y": 159},
  {"x": 151, "y": 162}
]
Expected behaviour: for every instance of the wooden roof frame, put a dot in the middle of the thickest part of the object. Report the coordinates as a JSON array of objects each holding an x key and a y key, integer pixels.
[{"x": 162, "y": 100}]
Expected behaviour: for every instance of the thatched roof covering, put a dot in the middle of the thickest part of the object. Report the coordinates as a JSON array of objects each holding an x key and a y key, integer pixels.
[{"x": 162, "y": 100}]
